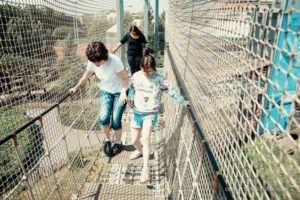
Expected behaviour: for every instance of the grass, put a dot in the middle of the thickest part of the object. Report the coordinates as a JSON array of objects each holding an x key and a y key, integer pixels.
[
  {"x": 67, "y": 186},
  {"x": 268, "y": 171}
]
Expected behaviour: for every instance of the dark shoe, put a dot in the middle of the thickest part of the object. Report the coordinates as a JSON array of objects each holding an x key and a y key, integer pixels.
[
  {"x": 107, "y": 149},
  {"x": 117, "y": 148}
]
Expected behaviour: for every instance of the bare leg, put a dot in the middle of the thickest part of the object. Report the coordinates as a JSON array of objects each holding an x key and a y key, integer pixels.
[
  {"x": 106, "y": 131},
  {"x": 146, "y": 141},
  {"x": 135, "y": 138},
  {"x": 118, "y": 134}
]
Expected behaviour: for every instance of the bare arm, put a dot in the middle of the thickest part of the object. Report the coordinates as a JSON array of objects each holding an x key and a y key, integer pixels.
[
  {"x": 117, "y": 47},
  {"x": 123, "y": 76},
  {"x": 86, "y": 76}
]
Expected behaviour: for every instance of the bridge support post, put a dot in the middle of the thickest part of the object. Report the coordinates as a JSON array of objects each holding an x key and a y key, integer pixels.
[
  {"x": 120, "y": 23},
  {"x": 146, "y": 24},
  {"x": 156, "y": 21}
]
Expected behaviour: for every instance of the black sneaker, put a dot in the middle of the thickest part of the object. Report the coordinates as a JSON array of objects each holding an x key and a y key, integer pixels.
[
  {"x": 117, "y": 148},
  {"x": 107, "y": 149}
]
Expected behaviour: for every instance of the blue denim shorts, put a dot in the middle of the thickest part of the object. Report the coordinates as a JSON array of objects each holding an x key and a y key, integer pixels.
[
  {"x": 110, "y": 110},
  {"x": 139, "y": 118}
]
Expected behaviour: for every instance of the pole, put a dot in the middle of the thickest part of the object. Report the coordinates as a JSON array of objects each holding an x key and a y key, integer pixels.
[
  {"x": 146, "y": 24},
  {"x": 120, "y": 22},
  {"x": 156, "y": 21}
]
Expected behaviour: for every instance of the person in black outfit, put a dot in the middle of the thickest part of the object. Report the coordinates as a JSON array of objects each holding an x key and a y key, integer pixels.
[{"x": 136, "y": 41}]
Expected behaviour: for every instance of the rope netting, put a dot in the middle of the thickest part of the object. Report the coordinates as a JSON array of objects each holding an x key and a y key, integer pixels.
[
  {"x": 48, "y": 139},
  {"x": 239, "y": 61}
]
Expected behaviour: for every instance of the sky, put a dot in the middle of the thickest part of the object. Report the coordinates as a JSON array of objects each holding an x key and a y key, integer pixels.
[
  {"x": 138, "y": 5},
  {"x": 68, "y": 6}
]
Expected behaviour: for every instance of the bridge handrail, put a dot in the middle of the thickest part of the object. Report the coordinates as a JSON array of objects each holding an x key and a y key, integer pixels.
[{"x": 196, "y": 124}]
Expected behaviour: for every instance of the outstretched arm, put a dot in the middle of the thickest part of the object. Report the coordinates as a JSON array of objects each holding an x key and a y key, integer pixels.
[
  {"x": 117, "y": 47},
  {"x": 86, "y": 76},
  {"x": 123, "y": 41},
  {"x": 131, "y": 92},
  {"x": 172, "y": 92}
]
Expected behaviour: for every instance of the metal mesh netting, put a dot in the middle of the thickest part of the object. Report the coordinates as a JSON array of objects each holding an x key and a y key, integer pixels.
[
  {"x": 190, "y": 174},
  {"x": 239, "y": 60},
  {"x": 42, "y": 55}
]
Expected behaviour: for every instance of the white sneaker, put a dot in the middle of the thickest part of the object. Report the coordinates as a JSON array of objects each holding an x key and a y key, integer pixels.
[
  {"x": 135, "y": 155},
  {"x": 145, "y": 177}
]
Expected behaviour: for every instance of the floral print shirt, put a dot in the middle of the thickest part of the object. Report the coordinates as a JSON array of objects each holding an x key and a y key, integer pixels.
[{"x": 146, "y": 92}]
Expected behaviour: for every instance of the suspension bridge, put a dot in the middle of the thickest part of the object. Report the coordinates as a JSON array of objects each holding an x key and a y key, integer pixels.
[{"x": 236, "y": 61}]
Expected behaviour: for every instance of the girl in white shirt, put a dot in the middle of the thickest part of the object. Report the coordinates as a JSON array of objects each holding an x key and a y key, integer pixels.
[{"x": 144, "y": 96}]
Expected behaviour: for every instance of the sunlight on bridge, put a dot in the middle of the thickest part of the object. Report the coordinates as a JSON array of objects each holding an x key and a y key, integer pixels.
[{"x": 237, "y": 62}]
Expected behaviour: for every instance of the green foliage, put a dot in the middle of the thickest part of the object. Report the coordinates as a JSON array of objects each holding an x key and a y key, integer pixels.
[
  {"x": 23, "y": 64},
  {"x": 161, "y": 32},
  {"x": 28, "y": 30},
  {"x": 150, "y": 26},
  {"x": 265, "y": 160},
  {"x": 24, "y": 67},
  {"x": 27, "y": 39},
  {"x": 96, "y": 29},
  {"x": 128, "y": 19},
  {"x": 69, "y": 46},
  {"x": 161, "y": 29},
  {"x": 70, "y": 71},
  {"x": 30, "y": 146},
  {"x": 62, "y": 32}
]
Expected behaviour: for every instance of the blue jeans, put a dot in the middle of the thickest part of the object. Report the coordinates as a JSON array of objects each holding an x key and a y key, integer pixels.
[
  {"x": 110, "y": 110},
  {"x": 134, "y": 63}
]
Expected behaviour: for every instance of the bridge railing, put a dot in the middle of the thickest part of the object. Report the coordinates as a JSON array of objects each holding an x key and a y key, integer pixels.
[
  {"x": 51, "y": 155},
  {"x": 47, "y": 138}
]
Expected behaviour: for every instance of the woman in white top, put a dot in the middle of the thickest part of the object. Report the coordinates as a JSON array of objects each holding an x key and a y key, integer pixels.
[{"x": 114, "y": 83}]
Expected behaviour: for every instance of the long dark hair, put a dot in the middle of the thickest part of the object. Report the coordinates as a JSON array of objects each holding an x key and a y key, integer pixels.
[
  {"x": 136, "y": 29},
  {"x": 148, "y": 61}
]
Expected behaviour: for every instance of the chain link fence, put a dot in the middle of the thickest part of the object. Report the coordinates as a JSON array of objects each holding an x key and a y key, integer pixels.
[
  {"x": 48, "y": 138},
  {"x": 239, "y": 62}
]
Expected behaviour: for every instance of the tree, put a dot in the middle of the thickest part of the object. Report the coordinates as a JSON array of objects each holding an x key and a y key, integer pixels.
[
  {"x": 150, "y": 26},
  {"x": 27, "y": 37},
  {"x": 161, "y": 31},
  {"x": 28, "y": 31},
  {"x": 97, "y": 28},
  {"x": 128, "y": 20}
]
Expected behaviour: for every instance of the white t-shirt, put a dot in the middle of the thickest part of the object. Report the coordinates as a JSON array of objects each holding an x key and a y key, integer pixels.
[
  {"x": 108, "y": 73},
  {"x": 146, "y": 92}
]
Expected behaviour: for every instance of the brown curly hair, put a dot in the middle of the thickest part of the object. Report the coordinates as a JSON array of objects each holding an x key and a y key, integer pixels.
[{"x": 96, "y": 51}]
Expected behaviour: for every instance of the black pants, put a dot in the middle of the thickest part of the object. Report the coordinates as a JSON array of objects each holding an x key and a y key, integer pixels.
[{"x": 134, "y": 63}]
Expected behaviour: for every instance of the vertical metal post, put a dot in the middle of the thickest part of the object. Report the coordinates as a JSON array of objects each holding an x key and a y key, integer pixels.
[
  {"x": 146, "y": 24},
  {"x": 77, "y": 31},
  {"x": 23, "y": 170},
  {"x": 120, "y": 22},
  {"x": 156, "y": 21},
  {"x": 75, "y": 24}
]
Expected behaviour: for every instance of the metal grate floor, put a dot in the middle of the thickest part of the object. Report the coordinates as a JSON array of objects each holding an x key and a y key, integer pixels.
[
  {"x": 118, "y": 177},
  {"x": 111, "y": 192}
]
